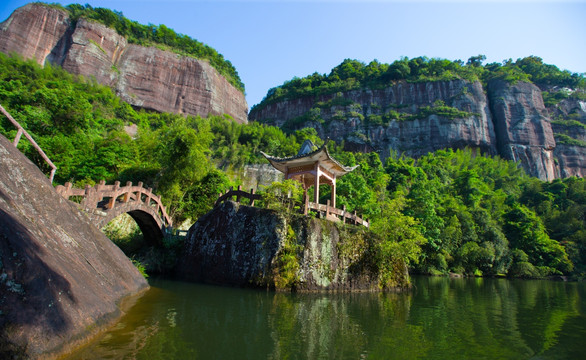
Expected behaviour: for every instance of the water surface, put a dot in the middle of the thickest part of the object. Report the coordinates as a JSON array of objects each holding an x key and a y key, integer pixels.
[{"x": 441, "y": 318}]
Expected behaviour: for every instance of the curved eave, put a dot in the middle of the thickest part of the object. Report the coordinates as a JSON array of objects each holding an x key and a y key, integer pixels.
[{"x": 322, "y": 155}]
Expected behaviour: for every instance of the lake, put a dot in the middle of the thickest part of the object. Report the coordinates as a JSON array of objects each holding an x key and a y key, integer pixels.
[{"x": 441, "y": 318}]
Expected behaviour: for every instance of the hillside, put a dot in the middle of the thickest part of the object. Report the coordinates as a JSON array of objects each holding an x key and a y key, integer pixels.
[
  {"x": 148, "y": 67},
  {"x": 525, "y": 111},
  {"x": 476, "y": 214}
]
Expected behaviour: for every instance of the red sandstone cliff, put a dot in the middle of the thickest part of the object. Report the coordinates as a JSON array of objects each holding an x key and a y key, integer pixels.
[{"x": 145, "y": 77}]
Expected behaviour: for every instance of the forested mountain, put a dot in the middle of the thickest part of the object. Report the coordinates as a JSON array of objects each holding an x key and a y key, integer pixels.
[
  {"x": 148, "y": 66},
  {"x": 449, "y": 211},
  {"x": 523, "y": 110}
]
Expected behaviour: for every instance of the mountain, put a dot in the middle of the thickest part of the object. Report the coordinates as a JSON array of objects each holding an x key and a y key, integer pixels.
[
  {"x": 417, "y": 106},
  {"x": 152, "y": 77}
]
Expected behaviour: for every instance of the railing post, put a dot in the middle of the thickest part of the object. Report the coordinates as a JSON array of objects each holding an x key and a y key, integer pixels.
[
  {"x": 126, "y": 197},
  {"x": 238, "y": 194},
  {"x": 327, "y": 209},
  {"x": 64, "y": 190},
  {"x": 111, "y": 203},
  {"x": 344, "y": 214},
  {"x": 88, "y": 198},
  {"x": 149, "y": 196},
  {"x": 52, "y": 175},
  {"x": 251, "y": 197},
  {"x": 139, "y": 192},
  {"x": 17, "y": 137}
]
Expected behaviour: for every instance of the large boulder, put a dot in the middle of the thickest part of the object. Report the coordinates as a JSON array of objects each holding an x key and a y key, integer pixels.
[
  {"x": 61, "y": 279},
  {"x": 247, "y": 246}
]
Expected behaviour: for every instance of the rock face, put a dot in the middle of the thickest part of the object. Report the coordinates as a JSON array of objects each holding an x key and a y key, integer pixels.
[
  {"x": 571, "y": 160},
  {"x": 149, "y": 78},
  {"x": 347, "y": 117},
  {"x": 509, "y": 120},
  {"x": 524, "y": 131},
  {"x": 61, "y": 279},
  {"x": 255, "y": 176},
  {"x": 246, "y": 246}
]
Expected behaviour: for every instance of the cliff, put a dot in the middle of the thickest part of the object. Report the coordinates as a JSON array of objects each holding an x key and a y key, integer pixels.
[
  {"x": 523, "y": 127},
  {"x": 145, "y": 77},
  {"x": 61, "y": 279},
  {"x": 246, "y": 246},
  {"x": 505, "y": 119}
]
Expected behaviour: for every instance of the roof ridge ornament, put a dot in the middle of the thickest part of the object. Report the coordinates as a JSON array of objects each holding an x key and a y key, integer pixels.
[{"x": 307, "y": 147}]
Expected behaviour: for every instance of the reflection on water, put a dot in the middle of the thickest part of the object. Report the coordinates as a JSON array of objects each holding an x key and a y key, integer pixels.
[{"x": 441, "y": 319}]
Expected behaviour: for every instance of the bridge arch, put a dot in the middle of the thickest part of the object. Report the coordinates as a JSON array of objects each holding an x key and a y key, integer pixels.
[{"x": 104, "y": 202}]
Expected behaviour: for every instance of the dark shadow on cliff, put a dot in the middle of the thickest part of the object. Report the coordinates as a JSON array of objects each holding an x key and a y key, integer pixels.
[{"x": 30, "y": 290}]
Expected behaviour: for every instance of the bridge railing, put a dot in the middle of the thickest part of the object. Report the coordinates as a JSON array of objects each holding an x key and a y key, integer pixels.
[
  {"x": 326, "y": 211},
  {"x": 21, "y": 131},
  {"x": 107, "y": 196}
]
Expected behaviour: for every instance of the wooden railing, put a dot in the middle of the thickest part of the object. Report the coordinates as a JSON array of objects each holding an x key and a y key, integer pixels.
[
  {"x": 326, "y": 211},
  {"x": 239, "y": 193},
  {"x": 93, "y": 197},
  {"x": 332, "y": 213},
  {"x": 21, "y": 131}
]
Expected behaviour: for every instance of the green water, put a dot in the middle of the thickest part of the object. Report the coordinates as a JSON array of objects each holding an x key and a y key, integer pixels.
[{"x": 441, "y": 318}]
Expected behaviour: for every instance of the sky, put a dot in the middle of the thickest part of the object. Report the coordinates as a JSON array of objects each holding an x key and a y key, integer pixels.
[{"x": 272, "y": 41}]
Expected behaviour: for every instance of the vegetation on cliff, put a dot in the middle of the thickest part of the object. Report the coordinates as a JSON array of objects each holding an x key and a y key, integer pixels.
[
  {"x": 156, "y": 35},
  {"x": 456, "y": 211},
  {"x": 354, "y": 74}
]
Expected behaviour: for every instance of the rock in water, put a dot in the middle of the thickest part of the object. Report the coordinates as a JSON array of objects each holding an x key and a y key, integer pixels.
[
  {"x": 61, "y": 279},
  {"x": 247, "y": 246}
]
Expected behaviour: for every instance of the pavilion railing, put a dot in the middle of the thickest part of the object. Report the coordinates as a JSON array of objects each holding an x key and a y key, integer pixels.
[
  {"x": 333, "y": 213},
  {"x": 324, "y": 210},
  {"x": 239, "y": 193}
]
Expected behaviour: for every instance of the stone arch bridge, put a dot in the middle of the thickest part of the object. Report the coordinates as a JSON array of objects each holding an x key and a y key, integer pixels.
[{"x": 105, "y": 202}]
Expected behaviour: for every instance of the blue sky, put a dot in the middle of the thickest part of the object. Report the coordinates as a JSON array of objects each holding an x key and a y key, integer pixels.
[{"x": 271, "y": 41}]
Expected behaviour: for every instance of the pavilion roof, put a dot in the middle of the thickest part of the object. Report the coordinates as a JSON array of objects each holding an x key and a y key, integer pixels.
[{"x": 304, "y": 157}]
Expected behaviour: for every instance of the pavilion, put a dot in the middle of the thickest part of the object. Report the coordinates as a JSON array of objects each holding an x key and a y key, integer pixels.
[{"x": 311, "y": 168}]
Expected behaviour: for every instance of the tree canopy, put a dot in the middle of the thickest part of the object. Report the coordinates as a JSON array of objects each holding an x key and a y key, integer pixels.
[
  {"x": 449, "y": 211},
  {"x": 354, "y": 74}
]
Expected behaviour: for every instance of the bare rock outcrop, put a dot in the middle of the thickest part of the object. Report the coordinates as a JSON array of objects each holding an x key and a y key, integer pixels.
[
  {"x": 61, "y": 279},
  {"x": 35, "y": 32},
  {"x": 509, "y": 120},
  {"x": 349, "y": 116},
  {"x": 146, "y": 77},
  {"x": 523, "y": 127},
  {"x": 246, "y": 246},
  {"x": 571, "y": 160}
]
